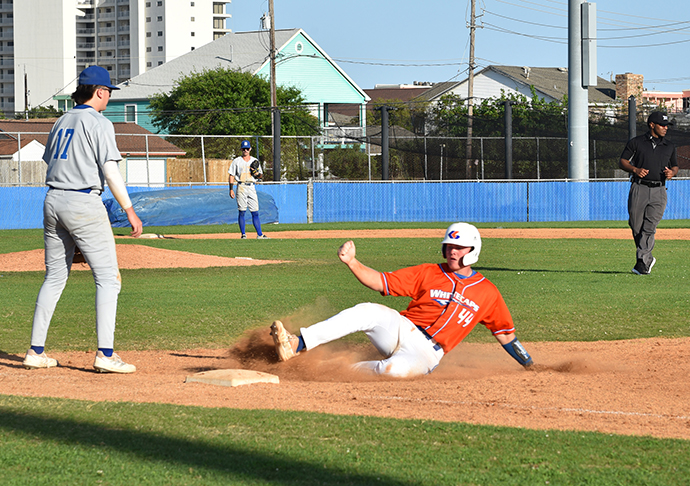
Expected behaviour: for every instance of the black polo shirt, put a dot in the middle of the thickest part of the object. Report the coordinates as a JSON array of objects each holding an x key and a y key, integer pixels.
[{"x": 653, "y": 154}]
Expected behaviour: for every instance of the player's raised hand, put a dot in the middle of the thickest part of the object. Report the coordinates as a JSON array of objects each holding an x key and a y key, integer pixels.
[{"x": 346, "y": 252}]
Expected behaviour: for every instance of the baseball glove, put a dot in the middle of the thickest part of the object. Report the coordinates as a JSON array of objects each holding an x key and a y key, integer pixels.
[
  {"x": 78, "y": 256},
  {"x": 254, "y": 170}
]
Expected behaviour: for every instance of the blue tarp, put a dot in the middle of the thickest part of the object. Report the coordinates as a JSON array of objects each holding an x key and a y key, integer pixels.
[{"x": 172, "y": 207}]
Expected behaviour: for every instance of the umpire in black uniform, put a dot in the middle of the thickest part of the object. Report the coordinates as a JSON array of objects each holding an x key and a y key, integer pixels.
[{"x": 651, "y": 161}]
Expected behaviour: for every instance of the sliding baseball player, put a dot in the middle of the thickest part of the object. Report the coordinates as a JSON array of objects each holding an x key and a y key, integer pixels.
[{"x": 448, "y": 300}]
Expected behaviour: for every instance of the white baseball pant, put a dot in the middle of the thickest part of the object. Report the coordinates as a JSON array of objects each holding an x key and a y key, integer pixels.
[{"x": 407, "y": 351}]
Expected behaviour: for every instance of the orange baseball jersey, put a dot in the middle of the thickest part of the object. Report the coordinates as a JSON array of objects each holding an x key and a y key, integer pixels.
[{"x": 448, "y": 306}]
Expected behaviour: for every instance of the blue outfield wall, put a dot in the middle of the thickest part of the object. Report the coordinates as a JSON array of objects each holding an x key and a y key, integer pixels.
[
  {"x": 480, "y": 202},
  {"x": 419, "y": 201}
]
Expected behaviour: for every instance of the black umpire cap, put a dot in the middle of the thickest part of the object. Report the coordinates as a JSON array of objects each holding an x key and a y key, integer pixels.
[{"x": 659, "y": 118}]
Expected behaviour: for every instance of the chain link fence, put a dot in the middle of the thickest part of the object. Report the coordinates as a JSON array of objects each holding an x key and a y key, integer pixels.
[{"x": 157, "y": 160}]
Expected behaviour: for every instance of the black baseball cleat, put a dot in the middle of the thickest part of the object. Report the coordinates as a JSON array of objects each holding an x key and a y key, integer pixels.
[{"x": 639, "y": 269}]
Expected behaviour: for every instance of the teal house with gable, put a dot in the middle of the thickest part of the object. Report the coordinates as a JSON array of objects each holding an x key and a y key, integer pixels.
[{"x": 300, "y": 63}]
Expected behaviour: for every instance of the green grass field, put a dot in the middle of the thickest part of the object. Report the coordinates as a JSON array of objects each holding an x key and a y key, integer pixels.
[{"x": 557, "y": 290}]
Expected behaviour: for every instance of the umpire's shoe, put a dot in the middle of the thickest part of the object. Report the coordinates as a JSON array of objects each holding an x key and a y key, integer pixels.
[
  {"x": 114, "y": 364},
  {"x": 641, "y": 269},
  {"x": 34, "y": 361},
  {"x": 285, "y": 343}
]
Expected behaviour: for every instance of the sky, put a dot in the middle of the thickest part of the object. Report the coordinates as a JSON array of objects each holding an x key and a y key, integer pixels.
[{"x": 403, "y": 41}]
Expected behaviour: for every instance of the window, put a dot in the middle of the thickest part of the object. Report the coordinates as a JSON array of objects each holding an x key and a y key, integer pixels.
[
  {"x": 148, "y": 49},
  {"x": 148, "y": 4},
  {"x": 192, "y": 19},
  {"x": 160, "y": 33},
  {"x": 148, "y": 64},
  {"x": 160, "y": 62},
  {"x": 192, "y": 4},
  {"x": 148, "y": 34},
  {"x": 160, "y": 18},
  {"x": 159, "y": 3},
  {"x": 130, "y": 113},
  {"x": 148, "y": 19},
  {"x": 193, "y": 34},
  {"x": 160, "y": 48}
]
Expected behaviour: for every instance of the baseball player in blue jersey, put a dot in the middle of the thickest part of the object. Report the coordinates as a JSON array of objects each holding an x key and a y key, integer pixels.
[
  {"x": 81, "y": 154},
  {"x": 246, "y": 171}
]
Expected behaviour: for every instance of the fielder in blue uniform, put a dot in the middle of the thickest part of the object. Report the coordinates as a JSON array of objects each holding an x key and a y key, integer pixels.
[{"x": 81, "y": 154}]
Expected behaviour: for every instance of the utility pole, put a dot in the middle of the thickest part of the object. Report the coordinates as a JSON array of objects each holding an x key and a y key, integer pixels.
[
  {"x": 470, "y": 97},
  {"x": 275, "y": 113}
]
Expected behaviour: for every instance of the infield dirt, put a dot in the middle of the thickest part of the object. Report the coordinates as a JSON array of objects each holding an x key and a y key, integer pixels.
[{"x": 633, "y": 387}]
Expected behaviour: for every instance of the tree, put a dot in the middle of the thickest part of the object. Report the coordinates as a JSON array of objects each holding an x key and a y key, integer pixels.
[
  {"x": 531, "y": 117},
  {"x": 410, "y": 115},
  {"x": 39, "y": 112},
  {"x": 226, "y": 102}
]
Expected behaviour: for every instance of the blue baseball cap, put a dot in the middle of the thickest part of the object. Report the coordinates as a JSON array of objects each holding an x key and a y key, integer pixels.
[
  {"x": 245, "y": 144},
  {"x": 96, "y": 75}
]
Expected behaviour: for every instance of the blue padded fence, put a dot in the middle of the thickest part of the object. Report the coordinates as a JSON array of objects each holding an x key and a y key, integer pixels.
[
  {"x": 419, "y": 201},
  {"x": 21, "y": 207}
]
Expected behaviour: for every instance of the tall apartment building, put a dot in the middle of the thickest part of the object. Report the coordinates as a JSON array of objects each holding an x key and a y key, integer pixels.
[{"x": 45, "y": 44}]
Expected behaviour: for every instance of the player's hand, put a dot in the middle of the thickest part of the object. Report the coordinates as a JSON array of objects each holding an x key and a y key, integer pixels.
[
  {"x": 232, "y": 194},
  {"x": 346, "y": 252},
  {"x": 135, "y": 222},
  {"x": 668, "y": 173},
  {"x": 641, "y": 173}
]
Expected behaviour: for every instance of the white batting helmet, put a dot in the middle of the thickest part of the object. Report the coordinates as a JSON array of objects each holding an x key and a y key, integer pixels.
[{"x": 463, "y": 234}]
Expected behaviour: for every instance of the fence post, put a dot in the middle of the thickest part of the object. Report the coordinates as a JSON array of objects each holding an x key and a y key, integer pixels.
[
  {"x": 632, "y": 118},
  {"x": 203, "y": 158},
  {"x": 508, "y": 120},
  {"x": 148, "y": 174},
  {"x": 481, "y": 148},
  {"x": 369, "y": 155},
  {"x": 310, "y": 201},
  {"x": 19, "y": 158},
  {"x": 426, "y": 170},
  {"x": 276, "y": 145},
  {"x": 440, "y": 172},
  {"x": 313, "y": 159},
  {"x": 537, "y": 139},
  {"x": 384, "y": 143}
]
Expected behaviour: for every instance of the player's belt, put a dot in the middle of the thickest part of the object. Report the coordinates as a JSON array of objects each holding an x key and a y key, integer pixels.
[
  {"x": 437, "y": 346},
  {"x": 649, "y": 183},
  {"x": 85, "y": 191},
  {"x": 247, "y": 183}
]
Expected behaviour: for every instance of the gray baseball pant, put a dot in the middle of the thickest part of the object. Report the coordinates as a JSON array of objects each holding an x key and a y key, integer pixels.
[
  {"x": 73, "y": 218},
  {"x": 646, "y": 206}
]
